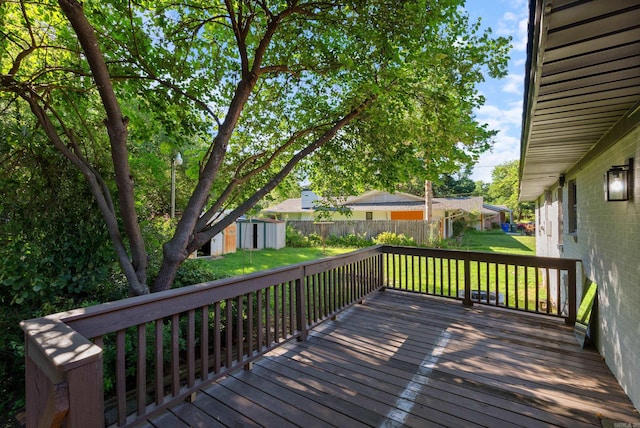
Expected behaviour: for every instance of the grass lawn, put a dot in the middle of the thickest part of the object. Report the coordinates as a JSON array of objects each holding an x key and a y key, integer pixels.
[
  {"x": 498, "y": 242},
  {"x": 244, "y": 261}
]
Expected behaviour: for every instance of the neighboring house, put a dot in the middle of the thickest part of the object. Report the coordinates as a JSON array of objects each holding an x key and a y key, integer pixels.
[
  {"x": 582, "y": 120},
  {"x": 379, "y": 205}
]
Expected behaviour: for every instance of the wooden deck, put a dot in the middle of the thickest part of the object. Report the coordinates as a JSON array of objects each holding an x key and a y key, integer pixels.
[{"x": 409, "y": 360}]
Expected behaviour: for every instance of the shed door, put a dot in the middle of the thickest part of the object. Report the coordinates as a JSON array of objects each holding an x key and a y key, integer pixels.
[{"x": 255, "y": 235}]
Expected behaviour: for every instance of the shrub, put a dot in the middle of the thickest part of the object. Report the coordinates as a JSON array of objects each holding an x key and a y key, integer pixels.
[
  {"x": 351, "y": 240},
  {"x": 391, "y": 238},
  {"x": 458, "y": 227},
  {"x": 296, "y": 239}
]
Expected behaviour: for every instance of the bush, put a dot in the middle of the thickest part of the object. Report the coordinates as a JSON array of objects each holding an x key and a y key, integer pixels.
[
  {"x": 351, "y": 240},
  {"x": 458, "y": 227},
  {"x": 295, "y": 238},
  {"x": 391, "y": 238}
]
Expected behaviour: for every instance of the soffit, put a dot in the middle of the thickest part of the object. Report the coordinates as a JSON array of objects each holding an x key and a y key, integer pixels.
[{"x": 583, "y": 76}]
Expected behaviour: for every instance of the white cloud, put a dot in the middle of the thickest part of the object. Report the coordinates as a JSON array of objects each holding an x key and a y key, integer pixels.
[
  {"x": 501, "y": 118},
  {"x": 520, "y": 39},
  {"x": 506, "y": 148},
  {"x": 514, "y": 84}
]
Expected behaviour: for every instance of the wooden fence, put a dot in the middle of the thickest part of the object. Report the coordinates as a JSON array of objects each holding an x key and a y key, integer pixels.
[{"x": 422, "y": 232}]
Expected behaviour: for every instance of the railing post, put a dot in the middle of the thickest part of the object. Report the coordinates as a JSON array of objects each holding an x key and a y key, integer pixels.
[
  {"x": 571, "y": 295},
  {"x": 301, "y": 307},
  {"x": 64, "y": 384},
  {"x": 381, "y": 261},
  {"x": 467, "y": 283}
]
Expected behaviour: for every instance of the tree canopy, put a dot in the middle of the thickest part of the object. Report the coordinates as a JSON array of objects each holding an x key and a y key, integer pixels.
[
  {"x": 345, "y": 93},
  {"x": 504, "y": 189}
]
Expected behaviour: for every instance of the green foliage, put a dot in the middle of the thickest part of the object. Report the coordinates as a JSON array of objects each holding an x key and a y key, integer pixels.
[
  {"x": 352, "y": 240},
  {"x": 392, "y": 238},
  {"x": 295, "y": 239},
  {"x": 458, "y": 227},
  {"x": 504, "y": 189},
  {"x": 454, "y": 185}
]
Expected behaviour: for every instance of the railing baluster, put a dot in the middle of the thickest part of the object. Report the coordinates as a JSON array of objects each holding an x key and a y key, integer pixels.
[
  {"x": 558, "y": 295},
  {"x": 159, "y": 357},
  {"x": 239, "y": 328},
  {"x": 516, "y": 283},
  {"x": 267, "y": 311},
  {"x": 283, "y": 315},
  {"x": 228, "y": 321},
  {"x": 121, "y": 366},
  {"x": 487, "y": 280},
  {"x": 260, "y": 316},
  {"x": 175, "y": 355},
  {"x": 204, "y": 342},
  {"x": 141, "y": 369},
  {"x": 537, "y": 308},
  {"x": 548, "y": 291},
  {"x": 191, "y": 348},
  {"x": 250, "y": 324},
  {"x": 292, "y": 306},
  {"x": 217, "y": 339},
  {"x": 506, "y": 285},
  {"x": 276, "y": 314},
  {"x": 526, "y": 288}
]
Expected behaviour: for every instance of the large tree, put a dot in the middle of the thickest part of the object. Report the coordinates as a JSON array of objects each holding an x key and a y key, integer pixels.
[
  {"x": 504, "y": 189},
  {"x": 342, "y": 91}
]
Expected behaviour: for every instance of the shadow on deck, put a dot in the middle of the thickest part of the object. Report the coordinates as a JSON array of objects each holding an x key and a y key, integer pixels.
[{"x": 403, "y": 359}]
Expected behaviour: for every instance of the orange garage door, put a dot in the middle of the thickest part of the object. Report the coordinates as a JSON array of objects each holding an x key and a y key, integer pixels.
[{"x": 407, "y": 215}]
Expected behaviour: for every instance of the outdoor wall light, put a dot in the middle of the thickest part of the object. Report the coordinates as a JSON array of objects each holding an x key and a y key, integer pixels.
[{"x": 618, "y": 184}]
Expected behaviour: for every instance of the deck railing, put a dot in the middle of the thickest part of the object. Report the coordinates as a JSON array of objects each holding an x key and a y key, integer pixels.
[
  {"x": 119, "y": 363},
  {"x": 533, "y": 284}
]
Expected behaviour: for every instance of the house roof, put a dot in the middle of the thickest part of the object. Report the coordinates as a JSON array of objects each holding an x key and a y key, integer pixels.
[
  {"x": 466, "y": 204},
  {"x": 582, "y": 85},
  {"x": 383, "y": 201}
]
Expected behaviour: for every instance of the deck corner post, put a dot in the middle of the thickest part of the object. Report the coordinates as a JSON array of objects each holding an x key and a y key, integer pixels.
[
  {"x": 301, "y": 306},
  {"x": 467, "y": 284},
  {"x": 571, "y": 295},
  {"x": 64, "y": 380}
]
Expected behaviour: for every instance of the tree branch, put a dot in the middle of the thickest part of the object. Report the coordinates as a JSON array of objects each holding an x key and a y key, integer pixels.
[{"x": 117, "y": 130}]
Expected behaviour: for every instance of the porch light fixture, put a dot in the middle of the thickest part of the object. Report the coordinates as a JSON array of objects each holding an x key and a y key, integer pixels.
[{"x": 618, "y": 184}]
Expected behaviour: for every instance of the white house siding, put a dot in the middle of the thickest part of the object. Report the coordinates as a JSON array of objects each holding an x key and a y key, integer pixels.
[{"x": 608, "y": 243}]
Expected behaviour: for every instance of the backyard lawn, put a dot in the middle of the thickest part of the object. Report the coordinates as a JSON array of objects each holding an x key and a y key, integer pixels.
[
  {"x": 515, "y": 285},
  {"x": 499, "y": 242},
  {"x": 244, "y": 261}
]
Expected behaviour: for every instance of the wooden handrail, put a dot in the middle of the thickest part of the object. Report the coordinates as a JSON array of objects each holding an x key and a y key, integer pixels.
[
  {"x": 62, "y": 367},
  {"x": 271, "y": 307}
]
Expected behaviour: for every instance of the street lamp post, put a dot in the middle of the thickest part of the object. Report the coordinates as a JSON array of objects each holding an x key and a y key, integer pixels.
[{"x": 177, "y": 160}]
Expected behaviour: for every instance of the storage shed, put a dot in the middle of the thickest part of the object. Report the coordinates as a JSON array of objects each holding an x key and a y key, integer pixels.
[
  {"x": 256, "y": 234},
  {"x": 223, "y": 243}
]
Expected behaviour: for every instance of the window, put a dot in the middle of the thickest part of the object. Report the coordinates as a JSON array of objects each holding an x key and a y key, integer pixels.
[
  {"x": 369, "y": 215},
  {"x": 572, "y": 208}
]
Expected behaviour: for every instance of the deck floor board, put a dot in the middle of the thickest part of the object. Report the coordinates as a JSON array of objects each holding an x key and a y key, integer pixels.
[{"x": 402, "y": 359}]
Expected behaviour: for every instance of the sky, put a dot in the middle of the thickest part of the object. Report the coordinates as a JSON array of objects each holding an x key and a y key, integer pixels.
[{"x": 502, "y": 110}]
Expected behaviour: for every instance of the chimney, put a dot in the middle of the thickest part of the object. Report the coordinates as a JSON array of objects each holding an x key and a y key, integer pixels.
[{"x": 308, "y": 199}]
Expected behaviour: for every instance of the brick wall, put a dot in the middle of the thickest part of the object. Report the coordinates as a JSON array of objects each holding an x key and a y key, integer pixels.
[{"x": 608, "y": 243}]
